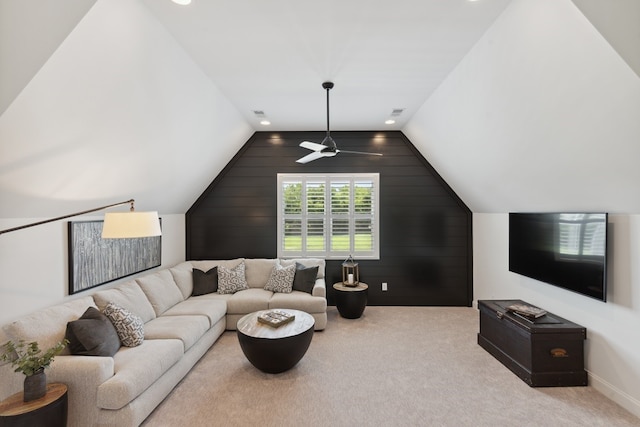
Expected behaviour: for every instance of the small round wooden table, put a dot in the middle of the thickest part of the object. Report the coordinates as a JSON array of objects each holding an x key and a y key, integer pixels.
[
  {"x": 48, "y": 411},
  {"x": 351, "y": 300},
  {"x": 275, "y": 350}
]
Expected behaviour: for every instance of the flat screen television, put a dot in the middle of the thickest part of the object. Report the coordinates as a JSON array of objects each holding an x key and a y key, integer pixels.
[{"x": 568, "y": 250}]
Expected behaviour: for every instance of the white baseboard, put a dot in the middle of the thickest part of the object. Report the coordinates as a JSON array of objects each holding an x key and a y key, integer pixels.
[{"x": 618, "y": 396}]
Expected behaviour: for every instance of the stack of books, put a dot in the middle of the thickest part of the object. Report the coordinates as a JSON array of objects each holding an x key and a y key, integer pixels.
[
  {"x": 276, "y": 318},
  {"x": 528, "y": 311}
]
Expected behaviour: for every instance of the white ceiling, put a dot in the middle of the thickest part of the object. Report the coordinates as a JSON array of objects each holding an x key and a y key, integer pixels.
[
  {"x": 30, "y": 31},
  {"x": 274, "y": 55},
  {"x": 84, "y": 81}
]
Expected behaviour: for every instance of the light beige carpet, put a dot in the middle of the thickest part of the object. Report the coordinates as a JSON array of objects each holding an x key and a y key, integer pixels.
[{"x": 395, "y": 366}]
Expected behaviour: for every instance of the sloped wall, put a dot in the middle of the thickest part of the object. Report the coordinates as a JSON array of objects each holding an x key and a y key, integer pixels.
[
  {"x": 542, "y": 115},
  {"x": 117, "y": 112},
  {"x": 425, "y": 228}
]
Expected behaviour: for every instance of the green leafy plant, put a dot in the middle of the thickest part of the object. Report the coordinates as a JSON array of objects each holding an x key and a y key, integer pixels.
[{"x": 28, "y": 358}]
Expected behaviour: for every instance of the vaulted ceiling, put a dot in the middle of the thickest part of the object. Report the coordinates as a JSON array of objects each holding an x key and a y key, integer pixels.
[
  {"x": 175, "y": 88},
  {"x": 273, "y": 56}
]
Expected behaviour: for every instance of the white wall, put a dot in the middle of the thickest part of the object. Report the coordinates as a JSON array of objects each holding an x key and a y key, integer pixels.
[
  {"x": 34, "y": 263},
  {"x": 612, "y": 348},
  {"x": 542, "y": 115},
  {"x": 118, "y": 111}
]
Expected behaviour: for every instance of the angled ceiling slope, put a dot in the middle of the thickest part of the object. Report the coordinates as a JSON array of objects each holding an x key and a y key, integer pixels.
[
  {"x": 619, "y": 23},
  {"x": 29, "y": 34}
]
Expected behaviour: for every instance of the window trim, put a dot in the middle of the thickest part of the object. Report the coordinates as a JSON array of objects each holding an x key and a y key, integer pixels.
[{"x": 328, "y": 179}]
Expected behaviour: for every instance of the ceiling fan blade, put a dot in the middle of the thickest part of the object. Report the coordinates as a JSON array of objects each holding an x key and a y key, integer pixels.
[
  {"x": 312, "y": 146},
  {"x": 310, "y": 157},
  {"x": 328, "y": 147},
  {"x": 359, "y": 152}
]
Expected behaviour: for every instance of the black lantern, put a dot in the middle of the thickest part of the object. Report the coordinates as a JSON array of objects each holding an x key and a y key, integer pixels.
[{"x": 350, "y": 273}]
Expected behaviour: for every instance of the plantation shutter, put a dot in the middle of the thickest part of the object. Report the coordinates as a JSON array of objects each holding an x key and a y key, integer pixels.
[{"x": 329, "y": 216}]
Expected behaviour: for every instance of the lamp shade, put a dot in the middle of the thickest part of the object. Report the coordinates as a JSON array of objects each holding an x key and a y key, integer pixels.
[{"x": 123, "y": 225}]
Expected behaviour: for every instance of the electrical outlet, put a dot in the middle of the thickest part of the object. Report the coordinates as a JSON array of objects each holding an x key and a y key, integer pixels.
[{"x": 384, "y": 286}]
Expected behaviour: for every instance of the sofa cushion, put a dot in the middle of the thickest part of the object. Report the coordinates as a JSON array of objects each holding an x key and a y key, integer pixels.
[
  {"x": 92, "y": 334},
  {"x": 299, "y": 301},
  {"x": 130, "y": 327},
  {"x": 258, "y": 271},
  {"x": 231, "y": 280},
  {"x": 136, "y": 368},
  {"x": 129, "y": 296},
  {"x": 183, "y": 277},
  {"x": 213, "y": 309},
  {"x": 307, "y": 262},
  {"x": 305, "y": 278},
  {"x": 161, "y": 290},
  {"x": 281, "y": 279},
  {"x": 209, "y": 264},
  {"x": 48, "y": 326},
  {"x": 248, "y": 301},
  {"x": 188, "y": 329},
  {"x": 205, "y": 282}
]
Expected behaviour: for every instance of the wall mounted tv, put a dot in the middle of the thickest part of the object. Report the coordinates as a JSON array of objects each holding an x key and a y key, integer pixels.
[{"x": 568, "y": 250}]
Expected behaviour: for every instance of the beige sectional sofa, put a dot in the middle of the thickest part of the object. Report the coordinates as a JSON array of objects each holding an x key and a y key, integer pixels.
[{"x": 178, "y": 330}]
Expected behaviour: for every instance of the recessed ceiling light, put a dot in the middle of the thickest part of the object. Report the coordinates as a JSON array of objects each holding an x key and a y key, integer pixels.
[
  {"x": 182, "y": 2},
  {"x": 262, "y": 117},
  {"x": 396, "y": 112}
]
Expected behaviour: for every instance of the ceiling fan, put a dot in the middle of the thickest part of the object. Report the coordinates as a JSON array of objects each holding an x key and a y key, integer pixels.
[{"x": 328, "y": 147}]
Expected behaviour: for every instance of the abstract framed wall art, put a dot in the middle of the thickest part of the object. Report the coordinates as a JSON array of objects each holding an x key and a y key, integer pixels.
[{"x": 94, "y": 261}]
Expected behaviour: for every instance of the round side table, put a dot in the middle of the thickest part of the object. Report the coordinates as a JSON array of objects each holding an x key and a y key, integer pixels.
[
  {"x": 351, "y": 300},
  {"x": 48, "y": 411}
]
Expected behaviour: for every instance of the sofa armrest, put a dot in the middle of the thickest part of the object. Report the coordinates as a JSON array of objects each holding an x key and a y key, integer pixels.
[
  {"x": 82, "y": 375},
  {"x": 319, "y": 289}
]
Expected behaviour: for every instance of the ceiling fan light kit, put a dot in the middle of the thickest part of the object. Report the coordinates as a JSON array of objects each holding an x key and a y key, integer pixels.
[{"x": 328, "y": 146}]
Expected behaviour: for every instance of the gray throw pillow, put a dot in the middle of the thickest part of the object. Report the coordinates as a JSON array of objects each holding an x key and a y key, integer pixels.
[
  {"x": 92, "y": 334},
  {"x": 205, "y": 283},
  {"x": 305, "y": 278}
]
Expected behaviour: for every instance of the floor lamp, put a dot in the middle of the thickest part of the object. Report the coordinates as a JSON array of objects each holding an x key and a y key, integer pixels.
[{"x": 117, "y": 225}]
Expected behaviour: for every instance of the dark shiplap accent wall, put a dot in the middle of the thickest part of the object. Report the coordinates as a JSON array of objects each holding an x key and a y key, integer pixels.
[{"x": 425, "y": 229}]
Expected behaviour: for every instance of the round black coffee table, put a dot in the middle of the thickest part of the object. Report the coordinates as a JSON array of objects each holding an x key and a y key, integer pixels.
[
  {"x": 351, "y": 300},
  {"x": 275, "y": 350}
]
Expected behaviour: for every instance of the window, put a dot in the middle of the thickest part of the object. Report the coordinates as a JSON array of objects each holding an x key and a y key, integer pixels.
[{"x": 328, "y": 215}]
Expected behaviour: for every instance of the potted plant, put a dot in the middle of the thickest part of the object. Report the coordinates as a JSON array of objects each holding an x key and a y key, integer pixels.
[{"x": 31, "y": 361}]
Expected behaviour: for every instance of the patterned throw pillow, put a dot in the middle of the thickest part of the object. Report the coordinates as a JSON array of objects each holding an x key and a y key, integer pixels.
[
  {"x": 281, "y": 279},
  {"x": 231, "y": 280},
  {"x": 129, "y": 327}
]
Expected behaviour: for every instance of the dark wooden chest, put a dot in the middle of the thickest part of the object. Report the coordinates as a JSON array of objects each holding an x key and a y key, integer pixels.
[{"x": 545, "y": 352}]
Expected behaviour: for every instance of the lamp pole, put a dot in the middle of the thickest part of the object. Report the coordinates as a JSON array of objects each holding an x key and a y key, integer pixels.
[{"x": 8, "y": 230}]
